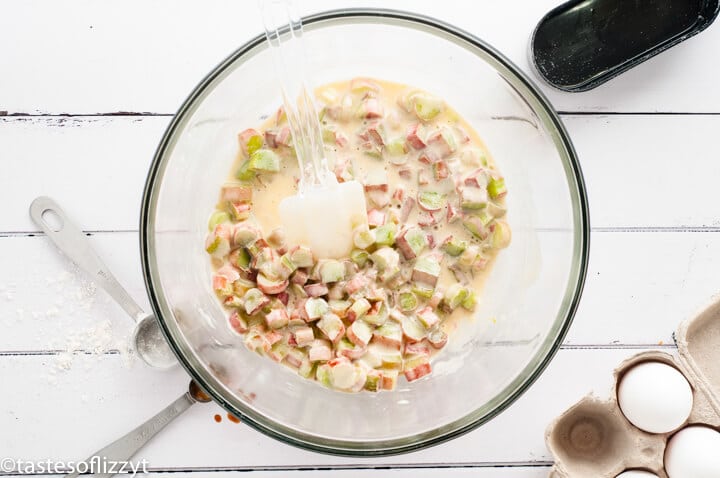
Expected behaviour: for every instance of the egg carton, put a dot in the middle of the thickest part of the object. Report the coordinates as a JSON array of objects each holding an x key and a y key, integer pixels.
[{"x": 594, "y": 439}]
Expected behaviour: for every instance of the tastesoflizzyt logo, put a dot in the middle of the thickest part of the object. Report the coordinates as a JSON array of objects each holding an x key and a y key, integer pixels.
[{"x": 95, "y": 465}]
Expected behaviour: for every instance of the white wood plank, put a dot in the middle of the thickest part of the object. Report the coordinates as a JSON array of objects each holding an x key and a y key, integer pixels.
[
  {"x": 640, "y": 170},
  {"x": 100, "y": 398},
  {"x": 639, "y": 287},
  {"x": 147, "y": 56}
]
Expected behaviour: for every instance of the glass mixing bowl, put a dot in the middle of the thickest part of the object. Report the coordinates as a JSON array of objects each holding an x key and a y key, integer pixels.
[{"x": 526, "y": 306}]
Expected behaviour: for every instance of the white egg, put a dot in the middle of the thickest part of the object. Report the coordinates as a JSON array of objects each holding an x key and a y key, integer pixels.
[
  {"x": 693, "y": 452},
  {"x": 655, "y": 397},
  {"x": 636, "y": 474}
]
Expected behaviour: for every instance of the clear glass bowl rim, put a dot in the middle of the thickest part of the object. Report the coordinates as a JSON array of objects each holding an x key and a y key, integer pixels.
[{"x": 438, "y": 435}]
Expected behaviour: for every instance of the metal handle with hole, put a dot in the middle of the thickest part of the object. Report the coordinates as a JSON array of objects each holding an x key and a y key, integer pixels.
[
  {"x": 125, "y": 447},
  {"x": 75, "y": 245}
]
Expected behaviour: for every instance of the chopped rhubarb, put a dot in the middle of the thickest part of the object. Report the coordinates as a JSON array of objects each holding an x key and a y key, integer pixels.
[
  {"x": 413, "y": 329},
  {"x": 304, "y": 336},
  {"x": 390, "y": 334},
  {"x": 371, "y": 108},
  {"x": 360, "y": 333},
  {"x": 473, "y": 198},
  {"x": 255, "y": 300},
  {"x": 264, "y": 160},
  {"x": 375, "y": 218},
  {"x": 427, "y": 269},
  {"x": 411, "y": 242},
  {"x": 316, "y": 308},
  {"x": 501, "y": 235},
  {"x": 332, "y": 326},
  {"x": 428, "y": 317},
  {"x": 276, "y": 318},
  {"x": 216, "y": 218},
  {"x": 385, "y": 234},
  {"x": 414, "y": 136},
  {"x": 302, "y": 257},
  {"x": 496, "y": 187},
  {"x": 407, "y": 301},
  {"x": 452, "y": 246},
  {"x": 416, "y": 369},
  {"x": 238, "y": 323},
  {"x": 320, "y": 351},
  {"x": 250, "y": 141},
  {"x": 316, "y": 290},
  {"x": 331, "y": 271},
  {"x": 358, "y": 309},
  {"x": 437, "y": 338}
]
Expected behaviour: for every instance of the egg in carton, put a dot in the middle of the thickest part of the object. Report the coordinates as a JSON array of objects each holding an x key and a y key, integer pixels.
[{"x": 594, "y": 439}]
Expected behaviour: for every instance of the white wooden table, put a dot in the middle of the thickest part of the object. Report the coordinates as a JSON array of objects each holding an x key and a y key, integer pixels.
[{"x": 86, "y": 90}]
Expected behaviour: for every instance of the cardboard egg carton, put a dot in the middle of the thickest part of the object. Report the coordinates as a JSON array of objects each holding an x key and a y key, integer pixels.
[{"x": 593, "y": 438}]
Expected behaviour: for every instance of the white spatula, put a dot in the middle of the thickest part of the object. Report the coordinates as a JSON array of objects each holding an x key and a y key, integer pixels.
[{"x": 323, "y": 214}]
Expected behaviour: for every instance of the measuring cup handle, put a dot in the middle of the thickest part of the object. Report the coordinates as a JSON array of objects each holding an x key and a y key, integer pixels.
[
  {"x": 75, "y": 245},
  {"x": 122, "y": 449}
]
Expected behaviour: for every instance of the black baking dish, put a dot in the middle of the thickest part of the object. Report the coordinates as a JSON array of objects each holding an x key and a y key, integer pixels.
[{"x": 584, "y": 43}]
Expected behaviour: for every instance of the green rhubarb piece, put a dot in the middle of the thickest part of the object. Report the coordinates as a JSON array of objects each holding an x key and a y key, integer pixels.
[
  {"x": 243, "y": 259},
  {"x": 363, "y": 238},
  {"x": 328, "y": 134},
  {"x": 396, "y": 147},
  {"x": 470, "y": 301},
  {"x": 496, "y": 187},
  {"x": 473, "y": 198},
  {"x": 390, "y": 330},
  {"x": 501, "y": 235},
  {"x": 385, "y": 235},
  {"x": 279, "y": 351},
  {"x": 427, "y": 107},
  {"x": 453, "y": 247},
  {"x": 359, "y": 308},
  {"x": 416, "y": 239},
  {"x": 373, "y": 382},
  {"x": 359, "y": 257},
  {"x": 339, "y": 307},
  {"x": 431, "y": 200},
  {"x": 392, "y": 360},
  {"x": 455, "y": 295},
  {"x": 467, "y": 258},
  {"x": 302, "y": 257},
  {"x": 254, "y": 143},
  {"x": 316, "y": 307},
  {"x": 253, "y": 298},
  {"x": 427, "y": 265},
  {"x": 485, "y": 217},
  {"x": 244, "y": 236},
  {"x": 213, "y": 245},
  {"x": 385, "y": 258},
  {"x": 245, "y": 173},
  {"x": 216, "y": 218},
  {"x": 476, "y": 227},
  {"x": 407, "y": 301},
  {"x": 323, "y": 375},
  {"x": 298, "y": 291},
  {"x": 264, "y": 160},
  {"x": 287, "y": 265},
  {"x": 423, "y": 291},
  {"x": 377, "y": 319},
  {"x": 306, "y": 368},
  {"x": 331, "y": 271}
]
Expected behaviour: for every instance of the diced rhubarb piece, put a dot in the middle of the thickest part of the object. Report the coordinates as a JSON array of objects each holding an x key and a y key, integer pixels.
[
  {"x": 496, "y": 187},
  {"x": 436, "y": 298},
  {"x": 358, "y": 309},
  {"x": 426, "y": 106},
  {"x": 218, "y": 241},
  {"x": 371, "y": 108},
  {"x": 316, "y": 308},
  {"x": 375, "y": 218},
  {"x": 236, "y": 194},
  {"x": 294, "y": 357},
  {"x": 442, "y": 142},
  {"x": 244, "y": 234},
  {"x": 302, "y": 257},
  {"x": 416, "y": 350},
  {"x": 421, "y": 290},
  {"x": 331, "y": 271},
  {"x": 271, "y": 138},
  {"x": 413, "y": 329},
  {"x": 431, "y": 201},
  {"x": 452, "y": 213},
  {"x": 284, "y": 137},
  {"x": 250, "y": 141},
  {"x": 399, "y": 194},
  {"x": 423, "y": 177},
  {"x": 405, "y": 173},
  {"x": 390, "y": 334},
  {"x": 397, "y": 150},
  {"x": 284, "y": 297},
  {"x": 316, "y": 290},
  {"x": 299, "y": 277},
  {"x": 240, "y": 210},
  {"x": 360, "y": 333},
  {"x": 216, "y": 218},
  {"x": 363, "y": 85},
  {"x": 501, "y": 235},
  {"x": 428, "y": 317},
  {"x": 468, "y": 257},
  {"x": 389, "y": 379},
  {"x": 377, "y": 315},
  {"x": 222, "y": 286},
  {"x": 336, "y": 291},
  {"x": 256, "y": 341},
  {"x": 378, "y": 198},
  {"x": 257, "y": 247},
  {"x": 230, "y": 272},
  {"x": 385, "y": 234},
  {"x": 332, "y": 326},
  {"x": 343, "y": 170},
  {"x": 470, "y": 301},
  {"x": 264, "y": 160},
  {"x": 416, "y": 369},
  {"x": 342, "y": 373},
  {"x": 476, "y": 227},
  {"x": 407, "y": 207},
  {"x": 476, "y": 179},
  {"x": 452, "y": 246},
  {"x": 414, "y": 136},
  {"x": 411, "y": 242},
  {"x": 373, "y": 380},
  {"x": 357, "y": 283},
  {"x": 440, "y": 170},
  {"x": 376, "y": 133},
  {"x": 240, "y": 258},
  {"x": 437, "y": 338},
  {"x": 238, "y": 323},
  {"x": 255, "y": 300},
  {"x": 387, "y": 261},
  {"x": 359, "y": 256},
  {"x": 322, "y": 375},
  {"x": 339, "y": 307},
  {"x": 427, "y": 270},
  {"x": 407, "y": 301},
  {"x": 306, "y": 368},
  {"x": 304, "y": 336},
  {"x": 363, "y": 238},
  {"x": 244, "y": 173},
  {"x": 496, "y": 210},
  {"x": 345, "y": 348},
  {"x": 320, "y": 351},
  {"x": 473, "y": 198},
  {"x": 277, "y": 318}
]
